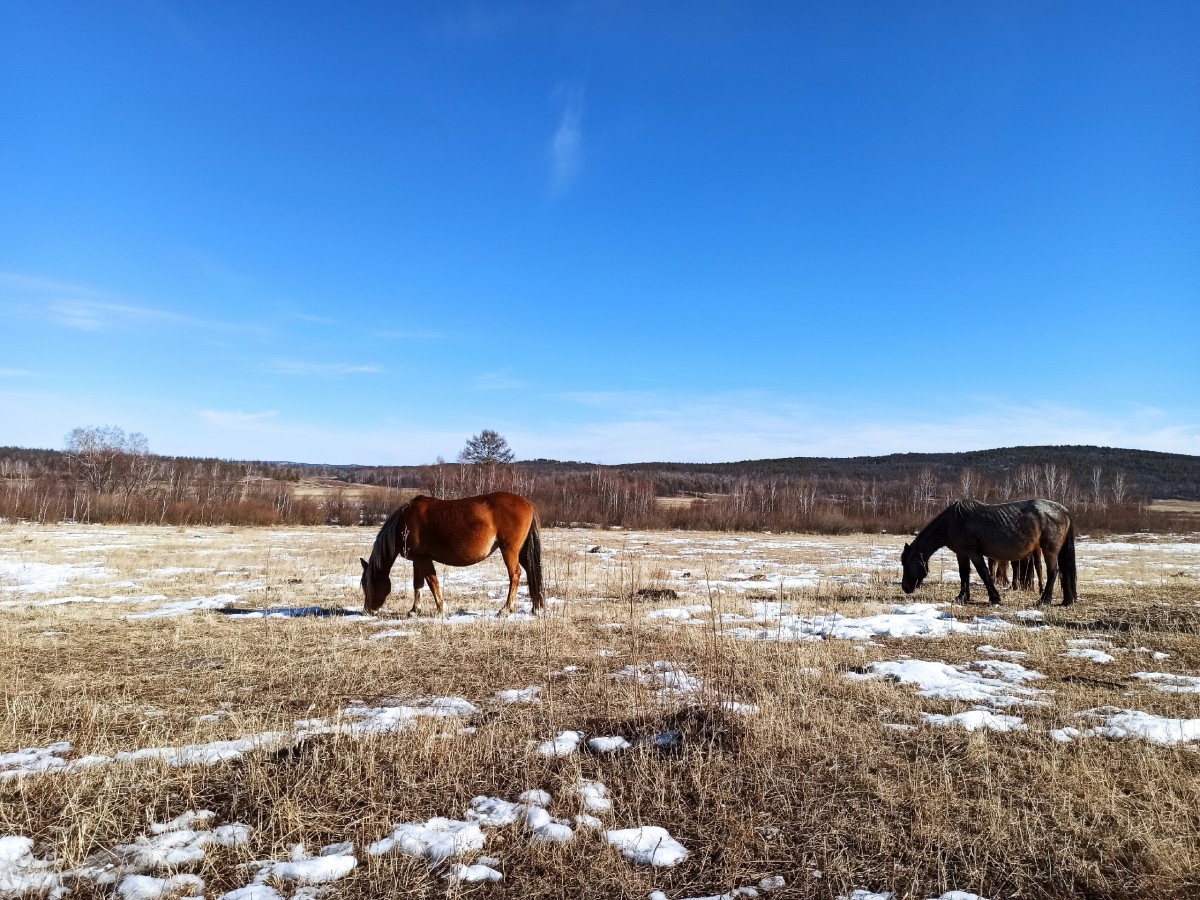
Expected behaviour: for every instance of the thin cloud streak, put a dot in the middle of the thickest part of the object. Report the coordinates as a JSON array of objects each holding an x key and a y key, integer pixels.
[
  {"x": 566, "y": 145},
  {"x": 85, "y": 308},
  {"x": 300, "y": 367},
  {"x": 500, "y": 380},
  {"x": 417, "y": 335}
]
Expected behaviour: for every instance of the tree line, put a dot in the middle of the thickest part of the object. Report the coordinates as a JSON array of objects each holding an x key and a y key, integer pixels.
[{"x": 105, "y": 475}]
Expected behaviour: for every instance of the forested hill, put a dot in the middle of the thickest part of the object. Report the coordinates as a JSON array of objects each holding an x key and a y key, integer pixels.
[{"x": 1151, "y": 474}]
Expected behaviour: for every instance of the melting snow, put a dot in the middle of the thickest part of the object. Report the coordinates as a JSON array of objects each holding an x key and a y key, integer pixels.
[
  {"x": 910, "y": 620},
  {"x": 649, "y": 845},
  {"x": 608, "y": 744},
  {"x": 1171, "y": 684},
  {"x": 563, "y": 745},
  {"x": 1131, "y": 723},
  {"x": 940, "y": 681},
  {"x": 974, "y": 719}
]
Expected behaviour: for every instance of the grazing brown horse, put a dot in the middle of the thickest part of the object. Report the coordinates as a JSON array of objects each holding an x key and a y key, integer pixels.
[
  {"x": 1002, "y": 531},
  {"x": 456, "y": 533}
]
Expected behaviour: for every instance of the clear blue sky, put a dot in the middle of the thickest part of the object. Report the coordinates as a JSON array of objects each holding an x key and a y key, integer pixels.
[{"x": 612, "y": 231}]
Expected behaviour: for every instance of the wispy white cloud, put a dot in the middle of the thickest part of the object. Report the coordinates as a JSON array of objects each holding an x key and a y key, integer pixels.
[
  {"x": 86, "y": 308},
  {"x": 15, "y": 373},
  {"x": 566, "y": 145},
  {"x": 500, "y": 380},
  {"x": 323, "y": 369}
]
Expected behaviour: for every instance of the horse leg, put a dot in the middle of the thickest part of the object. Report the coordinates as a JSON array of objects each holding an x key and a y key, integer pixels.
[
  {"x": 418, "y": 580},
  {"x": 981, "y": 565},
  {"x": 1051, "y": 575},
  {"x": 513, "y": 564},
  {"x": 964, "y": 579},
  {"x": 1036, "y": 559},
  {"x": 435, "y": 586}
]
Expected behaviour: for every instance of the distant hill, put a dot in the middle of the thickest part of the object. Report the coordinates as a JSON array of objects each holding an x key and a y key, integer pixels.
[{"x": 1153, "y": 474}]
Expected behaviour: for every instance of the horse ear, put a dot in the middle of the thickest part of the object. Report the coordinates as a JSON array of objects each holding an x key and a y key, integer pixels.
[
  {"x": 906, "y": 548},
  {"x": 364, "y": 563}
]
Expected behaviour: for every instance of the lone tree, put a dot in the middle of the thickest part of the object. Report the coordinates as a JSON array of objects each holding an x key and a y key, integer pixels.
[
  {"x": 486, "y": 447},
  {"x": 107, "y": 457}
]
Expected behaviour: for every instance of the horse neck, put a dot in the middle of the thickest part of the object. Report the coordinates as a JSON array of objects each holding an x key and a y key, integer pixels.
[
  {"x": 932, "y": 537},
  {"x": 387, "y": 545}
]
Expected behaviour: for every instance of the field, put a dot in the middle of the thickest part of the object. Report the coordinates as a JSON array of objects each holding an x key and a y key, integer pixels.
[{"x": 200, "y": 711}]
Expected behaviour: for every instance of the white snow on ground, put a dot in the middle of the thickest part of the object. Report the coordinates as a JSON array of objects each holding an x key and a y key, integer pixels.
[
  {"x": 333, "y": 862},
  {"x": 435, "y": 840},
  {"x": 21, "y": 873},
  {"x": 523, "y": 695},
  {"x": 494, "y": 812},
  {"x": 764, "y": 887},
  {"x": 909, "y": 620},
  {"x": 61, "y": 601},
  {"x": 183, "y": 607},
  {"x": 743, "y": 709},
  {"x": 595, "y": 796},
  {"x": 1171, "y": 684},
  {"x": 544, "y": 829},
  {"x": 478, "y": 872},
  {"x": 394, "y": 633},
  {"x": 147, "y": 887},
  {"x": 355, "y": 721},
  {"x": 648, "y": 845},
  {"x": 666, "y": 679},
  {"x": 170, "y": 845},
  {"x": 608, "y": 744},
  {"x": 1120, "y": 724},
  {"x": 941, "y": 681},
  {"x": 43, "y": 578},
  {"x": 678, "y": 612},
  {"x": 563, "y": 745},
  {"x": 1089, "y": 653},
  {"x": 974, "y": 719}
]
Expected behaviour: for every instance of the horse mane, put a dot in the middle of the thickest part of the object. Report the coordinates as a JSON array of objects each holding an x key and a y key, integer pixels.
[
  {"x": 955, "y": 512},
  {"x": 386, "y": 549}
]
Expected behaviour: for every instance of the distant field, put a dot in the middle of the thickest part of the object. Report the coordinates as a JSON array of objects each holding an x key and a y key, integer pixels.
[
  {"x": 780, "y": 717},
  {"x": 1176, "y": 507},
  {"x": 325, "y": 488}
]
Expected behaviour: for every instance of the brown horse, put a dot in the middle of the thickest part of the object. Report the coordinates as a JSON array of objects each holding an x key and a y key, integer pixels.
[
  {"x": 456, "y": 533},
  {"x": 1003, "y": 531}
]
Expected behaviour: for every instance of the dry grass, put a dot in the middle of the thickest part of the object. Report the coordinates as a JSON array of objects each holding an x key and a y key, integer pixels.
[{"x": 817, "y": 782}]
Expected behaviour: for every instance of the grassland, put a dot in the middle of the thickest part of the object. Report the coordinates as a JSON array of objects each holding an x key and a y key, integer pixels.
[{"x": 792, "y": 757}]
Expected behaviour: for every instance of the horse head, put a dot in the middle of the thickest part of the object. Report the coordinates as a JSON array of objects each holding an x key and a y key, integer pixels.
[
  {"x": 915, "y": 568},
  {"x": 376, "y": 585}
]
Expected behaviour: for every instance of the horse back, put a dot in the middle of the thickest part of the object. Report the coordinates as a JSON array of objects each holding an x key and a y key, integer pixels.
[
  {"x": 465, "y": 531},
  {"x": 1007, "y": 531}
]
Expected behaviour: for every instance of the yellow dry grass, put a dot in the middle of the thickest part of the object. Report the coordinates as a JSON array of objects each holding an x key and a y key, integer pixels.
[{"x": 819, "y": 786}]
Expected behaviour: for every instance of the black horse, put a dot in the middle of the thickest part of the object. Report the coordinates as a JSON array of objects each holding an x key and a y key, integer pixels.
[{"x": 1002, "y": 531}]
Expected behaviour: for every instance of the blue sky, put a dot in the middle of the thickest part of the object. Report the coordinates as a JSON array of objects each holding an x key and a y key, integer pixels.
[{"x": 611, "y": 231}]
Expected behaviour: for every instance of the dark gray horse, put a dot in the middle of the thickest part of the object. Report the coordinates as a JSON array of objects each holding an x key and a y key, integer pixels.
[{"x": 1002, "y": 531}]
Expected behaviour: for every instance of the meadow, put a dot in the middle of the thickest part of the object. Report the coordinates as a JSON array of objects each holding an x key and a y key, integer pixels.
[{"x": 203, "y": 711}]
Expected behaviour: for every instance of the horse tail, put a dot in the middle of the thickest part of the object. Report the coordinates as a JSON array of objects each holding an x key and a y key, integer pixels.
[
  {"x": 1066, "y": 567},
  {"x": 530, "y": 558}
]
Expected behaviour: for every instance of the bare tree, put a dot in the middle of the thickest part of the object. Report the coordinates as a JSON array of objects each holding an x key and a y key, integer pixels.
[
  {"x": 968, "y": 484},
  {"x": 486, "y": 447},
  {"x": 104, "y": 456}
]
